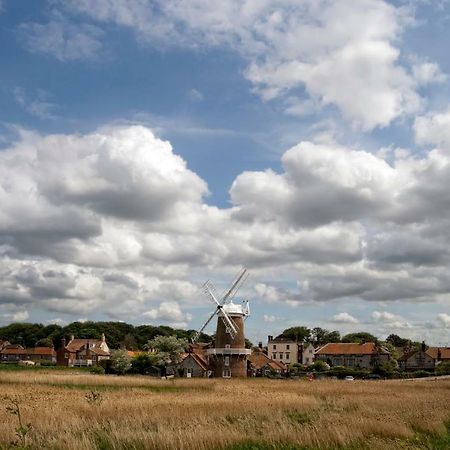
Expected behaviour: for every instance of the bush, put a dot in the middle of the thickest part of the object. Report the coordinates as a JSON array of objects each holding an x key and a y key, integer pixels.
[
  {"x": 320, "y": 366},
  {"x": 143, "y": 362},
  {"x": 421, "y": 374},
  {"x": 342, "y": 372},
  {"x": 97, "y": 370},
  {"x": 47, "y": 363},
  {"x": 443, "y": 368}
]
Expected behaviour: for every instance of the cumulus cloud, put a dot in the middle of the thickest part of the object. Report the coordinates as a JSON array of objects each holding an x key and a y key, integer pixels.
[
  {"x": 444, "y": 319},
  {"x": 340, "y": 53},
  {"x": 114, "y": 222},
  {"x": 345, "y": 317},
  {"x": 392, "y": 321},
  {"x": 170, "y": 313}
]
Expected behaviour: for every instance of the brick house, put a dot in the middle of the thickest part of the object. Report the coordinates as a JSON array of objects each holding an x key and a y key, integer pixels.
[
  {"x": 259, "y": 364},
  {"x": 16, "y": 353},
  {"x": 424, "y": 359},
  {"x": 82, "y": 352},
  {"x": 364, "y": 356}
]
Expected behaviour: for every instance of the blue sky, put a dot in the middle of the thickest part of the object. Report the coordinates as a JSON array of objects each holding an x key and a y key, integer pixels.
[{"x": 308, "y": 142}]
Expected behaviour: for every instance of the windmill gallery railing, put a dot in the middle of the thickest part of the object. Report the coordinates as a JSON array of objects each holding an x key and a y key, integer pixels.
[{"x": 228, "y": 351}]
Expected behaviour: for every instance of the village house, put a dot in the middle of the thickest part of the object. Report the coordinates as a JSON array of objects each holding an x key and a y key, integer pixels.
[
  {"x": 424, "y": 359},
  {"x": 307, "y": 354},
  {"x": 364, "y": 356},
  {"x": 259, "y": 364},
  {"x": 15, "y": 353},
  {"x": 194, "y": 362},
  {"x": 286, "y": 351},
  {"x": 82, "y": 352}
]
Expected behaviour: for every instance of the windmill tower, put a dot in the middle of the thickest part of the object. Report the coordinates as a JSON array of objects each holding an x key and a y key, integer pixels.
[{"x": 229, "y": 356}]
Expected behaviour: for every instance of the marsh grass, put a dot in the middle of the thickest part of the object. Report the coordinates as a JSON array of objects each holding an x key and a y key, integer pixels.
[{"x": 144, "y": 413}]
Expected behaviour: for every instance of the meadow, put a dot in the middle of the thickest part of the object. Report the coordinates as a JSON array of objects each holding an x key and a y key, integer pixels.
[{"x": 76, "y": 410}]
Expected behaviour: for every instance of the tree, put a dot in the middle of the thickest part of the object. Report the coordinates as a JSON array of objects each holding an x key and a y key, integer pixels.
[
  {"x": 44, "y": 342},
  {"x": 320, "y": 336},
  {"x": 144, "y": 362},
  {"x": 299, "y": 334},
  {"x": 397, "y": 341},
  {"x": 443, "y": 368},
  {"x": 360, "y": 338},
  {"x": 320, "y": 366},
  {"x": 168, "y": 349},
  {"x": 120, "y": 361}
]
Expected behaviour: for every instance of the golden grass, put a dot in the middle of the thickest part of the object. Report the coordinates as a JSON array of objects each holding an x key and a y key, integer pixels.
[{"x": 141, "y": 413}]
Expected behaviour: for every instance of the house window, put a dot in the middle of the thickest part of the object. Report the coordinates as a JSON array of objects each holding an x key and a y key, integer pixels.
[
  {"x": 287, "y": 347},
  {"x": 227, "y": 360},
  {"x": 66, "y": 355},
  {"x": 226, "y": 373},
  {"x": 281, "y": 355},
  {"x": 287, "y": 355},
  {"x": 274, "y": 356},
  {"x": 274, "y": 347}
]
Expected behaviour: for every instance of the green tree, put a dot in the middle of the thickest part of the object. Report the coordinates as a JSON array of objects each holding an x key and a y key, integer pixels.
[
  {"x": 443, "y": 368},
  {"x": 320, "y": 336},
  {"x": 299, "y": 334},
  {"x": 144, "y": 362},
  {"x": 320, "y": 366},
  {"x": 168, "y": 348},
  {"x": 397, "y": 341},
  {"x": 120, "y": 361},
  {"x": 360, "y": 338},
  {"x": 44, "y": 342}
]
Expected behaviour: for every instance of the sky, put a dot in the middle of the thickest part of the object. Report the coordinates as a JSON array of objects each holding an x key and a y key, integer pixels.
[{"x": 147, "y": 146}]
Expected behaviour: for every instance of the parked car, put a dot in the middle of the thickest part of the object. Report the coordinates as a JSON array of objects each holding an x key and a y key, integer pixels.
[
  {"x": 374, "y": 376},
  {"x": 349, "y": 378}
]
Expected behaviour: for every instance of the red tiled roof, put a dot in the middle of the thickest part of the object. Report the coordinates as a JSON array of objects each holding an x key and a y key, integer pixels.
[
  {"x": 75, "y": 344},
  {"x": 368, "y": 348},
  {"x": 29, "y": 351},
  {"x": 433, "y": 352},
  {"x": 258, "y": 360}
]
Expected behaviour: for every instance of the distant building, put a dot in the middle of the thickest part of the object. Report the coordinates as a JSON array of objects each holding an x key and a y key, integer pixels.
[
  {"x": 3, "y": 344},
  {"x": 364, "y": 356},
  {"x": 15, "y": 353},
  {"x": 261, "y": 365},
  {"x": 307, "y": 354},
  {"x": 424, "y": 359},
  {"x": 192, "y": 366},
  {"x": 82, "y": 352},
  {"x": 286, "y": 351}
]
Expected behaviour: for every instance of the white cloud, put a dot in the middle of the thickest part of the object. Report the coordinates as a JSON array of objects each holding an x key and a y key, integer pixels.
[
  {"x": 340, "y": 53},
  {"x": 168, "y": 312},
  {"x": 37, "y": 105},
  {"x": 444, "y": 319},
  {"x": 269, "y": 318},
  {"x": 63, "y": 40},
  {"x": 392, "y": 321},
  {"x": 194, "y": 95},
  {"x": 345, "y": 317},
  {"x": 117, "y": 223}
]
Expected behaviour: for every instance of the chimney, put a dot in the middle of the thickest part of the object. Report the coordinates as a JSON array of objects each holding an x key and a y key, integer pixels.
[
  {"x": 72, "y": 337},
  {"x": 260, "y": 344},
  {"x": 270, "y": 338},
  {"x": 439, "y": 354},
  {"x": 103, "y": 337},
  {"x": 63, "y": 342}
]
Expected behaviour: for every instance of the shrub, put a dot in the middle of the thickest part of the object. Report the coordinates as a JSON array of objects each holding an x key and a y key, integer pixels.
[
  {"x": 443, "y": 368},
  {"x": 320, "y": 366},
  {"x": 47, "y": 363},
  {"x": 98, "y": 370},
  {"x": 421, "y": 374},
  {"x": 143, "y": 362}
]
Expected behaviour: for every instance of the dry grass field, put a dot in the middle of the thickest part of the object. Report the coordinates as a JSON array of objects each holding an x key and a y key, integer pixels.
[{"x": 83, "y": 411}]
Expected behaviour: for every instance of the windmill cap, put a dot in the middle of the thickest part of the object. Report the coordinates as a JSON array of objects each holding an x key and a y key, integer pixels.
[{"x": 232, "y": 308}]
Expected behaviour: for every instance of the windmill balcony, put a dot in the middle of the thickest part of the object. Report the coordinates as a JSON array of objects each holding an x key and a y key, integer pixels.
[{"x": 228, "y": 351}]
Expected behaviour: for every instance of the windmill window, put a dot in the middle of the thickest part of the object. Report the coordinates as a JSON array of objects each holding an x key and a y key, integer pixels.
[
  {"x": 227, "y": 346},
  {"x": 226, "y": 373},
  {"x": 227, "y": 360}
]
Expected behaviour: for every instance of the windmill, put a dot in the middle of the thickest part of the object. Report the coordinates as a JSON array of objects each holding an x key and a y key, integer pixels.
[{"x": 229, "y": 357}]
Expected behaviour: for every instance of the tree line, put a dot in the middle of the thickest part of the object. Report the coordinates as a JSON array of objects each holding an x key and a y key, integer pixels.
[{"x": 118, "y": 334}]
